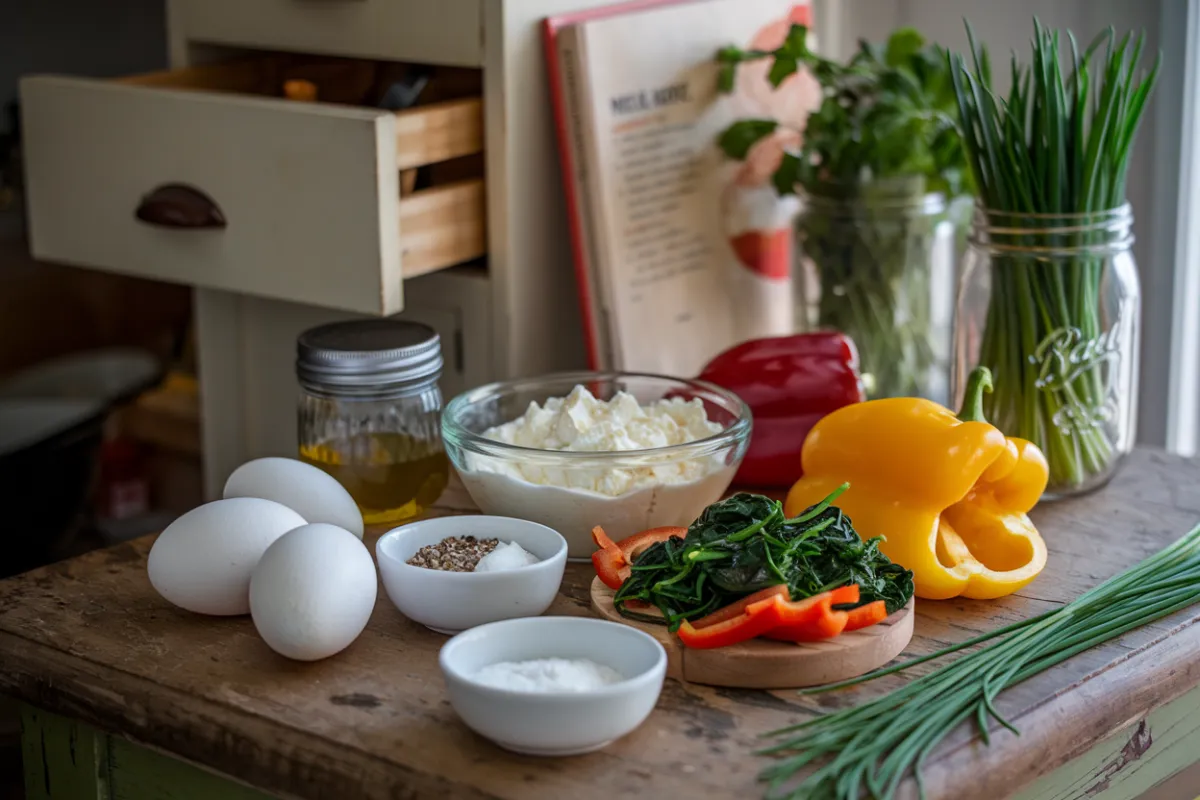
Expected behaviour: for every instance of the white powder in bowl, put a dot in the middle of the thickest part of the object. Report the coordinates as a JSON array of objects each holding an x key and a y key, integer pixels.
[
  {"x": 506, "y": 555},
  {"x": 548, "y": 675}
]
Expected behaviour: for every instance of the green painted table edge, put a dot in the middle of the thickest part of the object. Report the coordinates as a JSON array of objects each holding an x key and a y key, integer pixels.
[{"x": 66, "y": 759}]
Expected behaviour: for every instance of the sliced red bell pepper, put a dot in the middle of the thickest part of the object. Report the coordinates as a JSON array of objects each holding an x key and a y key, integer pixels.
[
  {"x": 825, "y": 626},
  {"x": 613, "y": 560},
  {"x": 802, "y": 612},
  {"x": 815, "y": 618},
  {"x": 608, "y": 560},
  {"x": 769, "y": 613},
  {"x": 866, "y": 615},
  {"x": 632, "y": 546},
  {"x": 757, "y": 619},
  {"x": 846, "y": 595},
  {"x": 813, "y": 613},
  {"x": 737, "y": 609},
  {"x": 822, "y": 623}
]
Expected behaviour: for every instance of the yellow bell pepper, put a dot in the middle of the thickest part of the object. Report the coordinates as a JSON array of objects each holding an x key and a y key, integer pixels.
[{"x": 949, "y": 493}]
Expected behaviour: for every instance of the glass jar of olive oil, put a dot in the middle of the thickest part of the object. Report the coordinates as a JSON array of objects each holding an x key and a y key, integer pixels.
[{"x": 369, "y": 413}]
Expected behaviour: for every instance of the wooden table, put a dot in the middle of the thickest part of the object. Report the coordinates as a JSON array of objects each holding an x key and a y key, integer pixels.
[{"x": 126, "y": 696}]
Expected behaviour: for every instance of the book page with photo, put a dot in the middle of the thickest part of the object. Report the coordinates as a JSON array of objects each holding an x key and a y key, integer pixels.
[{"x": 686, "y": 253}]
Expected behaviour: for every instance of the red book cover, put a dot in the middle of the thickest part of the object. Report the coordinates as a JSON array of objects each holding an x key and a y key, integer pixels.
[{"x": 550, "y": 29}]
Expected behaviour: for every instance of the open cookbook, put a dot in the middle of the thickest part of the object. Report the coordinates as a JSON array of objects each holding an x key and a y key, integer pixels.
[{"x": 679, "y": 252}]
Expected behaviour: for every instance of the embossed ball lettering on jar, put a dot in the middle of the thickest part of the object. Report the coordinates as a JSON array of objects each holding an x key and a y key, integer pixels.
[{"x": 1051, "y": 304}]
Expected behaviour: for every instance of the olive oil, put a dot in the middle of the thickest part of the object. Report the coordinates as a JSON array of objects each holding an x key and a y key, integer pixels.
[
  {"x": 369, "y": 413},
  {"x": 392, "y": 476}
]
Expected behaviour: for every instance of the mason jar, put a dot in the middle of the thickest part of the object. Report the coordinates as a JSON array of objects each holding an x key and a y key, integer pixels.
[
  {"x": 877, "y": 262},
  {"x": 1051, "y": 304},
  {"x": 370, "y": 413}
]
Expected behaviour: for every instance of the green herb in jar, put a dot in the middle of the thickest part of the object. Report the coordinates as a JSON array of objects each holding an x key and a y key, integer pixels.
[
  {"x": 1051, "y": 162},
  {"x": 881, "y": 167}
]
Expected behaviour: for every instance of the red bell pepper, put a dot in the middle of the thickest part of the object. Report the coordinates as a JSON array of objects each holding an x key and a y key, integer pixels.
[
  {"x": 737, "y": 609},
  {"x": 817, "y": 619},
  {"x": 614, "y": 559},
  {"x": 769, "y": 613},
  {"x": 845, "y": 595},
  {"x": 789, "y": 383},
  {"x": 608, "y": 560},
  {"x": 826, "y": 625},
  {"x": 757, "y": 619},
  {"x": 866, "y": 615}
]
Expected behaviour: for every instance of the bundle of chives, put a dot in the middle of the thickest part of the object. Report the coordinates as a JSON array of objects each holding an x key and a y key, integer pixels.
[
  {"x": 1052, "y": 167},
  {"x": 871, "y": 748}
]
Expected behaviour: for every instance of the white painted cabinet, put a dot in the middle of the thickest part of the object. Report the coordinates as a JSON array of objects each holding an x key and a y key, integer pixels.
[
  {"x": 303, "y": 198},
  {"x": 431, "y": 31},
  {"x": 298, "y": 187},
  {"x": 316, "y": 228}
]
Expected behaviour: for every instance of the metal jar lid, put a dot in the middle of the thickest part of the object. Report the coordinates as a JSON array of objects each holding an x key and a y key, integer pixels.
[{"x": 370, "y": 357}]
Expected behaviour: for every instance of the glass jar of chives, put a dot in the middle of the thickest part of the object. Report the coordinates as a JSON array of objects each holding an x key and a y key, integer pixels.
[
  {"x": 1051, "y": 304},
  {"x": 877, "y": 261}
]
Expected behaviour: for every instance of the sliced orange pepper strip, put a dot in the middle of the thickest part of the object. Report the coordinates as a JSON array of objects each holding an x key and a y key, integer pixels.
[
  {"x": 757, "y": 619},
  {"x": 737, "y": 609},
  {"x": 769, "y": 613},
  {"x": 846, "y": 595},
  {"x": 608, "y": 560},
  {"x": 613, "y": 560},
  {"x": 825, "y": 626},
  {"x": 632, "y": 546},
  {"x": 815, "y": 618},
  {"x": 866, "y": 615}
]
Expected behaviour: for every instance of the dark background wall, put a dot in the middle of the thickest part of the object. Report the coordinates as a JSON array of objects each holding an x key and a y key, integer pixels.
[{"x": 82, "y": 37}]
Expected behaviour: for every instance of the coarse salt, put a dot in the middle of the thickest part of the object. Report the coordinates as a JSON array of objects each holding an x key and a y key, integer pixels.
[
  {"x": 506, "y": 555},
  {"x": 549, "y": 675}
]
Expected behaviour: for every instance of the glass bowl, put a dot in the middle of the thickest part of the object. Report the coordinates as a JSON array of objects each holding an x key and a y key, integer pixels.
[{"x": 623, "y": 491}]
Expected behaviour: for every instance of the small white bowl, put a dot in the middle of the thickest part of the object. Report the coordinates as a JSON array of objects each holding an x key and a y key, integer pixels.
[
  {"x": 554, "y": 723},
  {"x": 449, "y": 602}
]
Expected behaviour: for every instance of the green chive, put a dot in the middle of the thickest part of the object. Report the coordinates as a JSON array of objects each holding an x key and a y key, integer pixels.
[
  {"x": 881, "y": 742},
  {"x": 1059, "y": 143}
]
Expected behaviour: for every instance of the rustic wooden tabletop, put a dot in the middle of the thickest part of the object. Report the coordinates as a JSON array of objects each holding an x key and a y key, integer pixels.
[{"x": 89, "y": 639}]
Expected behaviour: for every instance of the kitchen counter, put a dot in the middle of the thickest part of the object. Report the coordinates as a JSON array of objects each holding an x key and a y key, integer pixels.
[{"x": 126, "y": 696}]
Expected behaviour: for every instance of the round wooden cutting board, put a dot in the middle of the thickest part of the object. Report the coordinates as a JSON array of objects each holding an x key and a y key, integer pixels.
[{"x": 763, "y": 664}]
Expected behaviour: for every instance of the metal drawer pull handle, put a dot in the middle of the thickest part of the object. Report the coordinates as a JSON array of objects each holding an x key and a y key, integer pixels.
[{"x": 176, "y": 205}]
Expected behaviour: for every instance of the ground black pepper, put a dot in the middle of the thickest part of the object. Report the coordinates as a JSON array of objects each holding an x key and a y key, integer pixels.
[{"x": 453, "y": 554}]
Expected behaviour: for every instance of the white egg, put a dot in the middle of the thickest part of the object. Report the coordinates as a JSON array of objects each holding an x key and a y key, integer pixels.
[
  {"x": 313, "y": 592},
  {"x": 203, "y": 560},
  {"x": 310, "y": 492}
]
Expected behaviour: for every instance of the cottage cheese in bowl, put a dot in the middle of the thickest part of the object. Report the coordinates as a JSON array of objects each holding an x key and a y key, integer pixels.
[
  {"x": 573, "y": 461},
  {"x": 579, "y": 423}
]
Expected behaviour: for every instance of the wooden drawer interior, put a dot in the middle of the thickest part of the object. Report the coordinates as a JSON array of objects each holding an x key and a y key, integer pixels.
[{"x": 439, "y": 136}]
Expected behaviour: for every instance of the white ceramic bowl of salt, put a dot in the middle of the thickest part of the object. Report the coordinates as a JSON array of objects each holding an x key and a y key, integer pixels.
[
  {"x": 449, "y": 602},
  {"x": 559, "y": 722}
]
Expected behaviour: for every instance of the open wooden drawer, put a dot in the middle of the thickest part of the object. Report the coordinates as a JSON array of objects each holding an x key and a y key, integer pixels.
[{"x": 209, "y": 176}]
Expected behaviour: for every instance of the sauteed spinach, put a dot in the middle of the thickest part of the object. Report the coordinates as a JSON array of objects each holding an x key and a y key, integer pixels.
[{"x": 745, "y": 543}]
